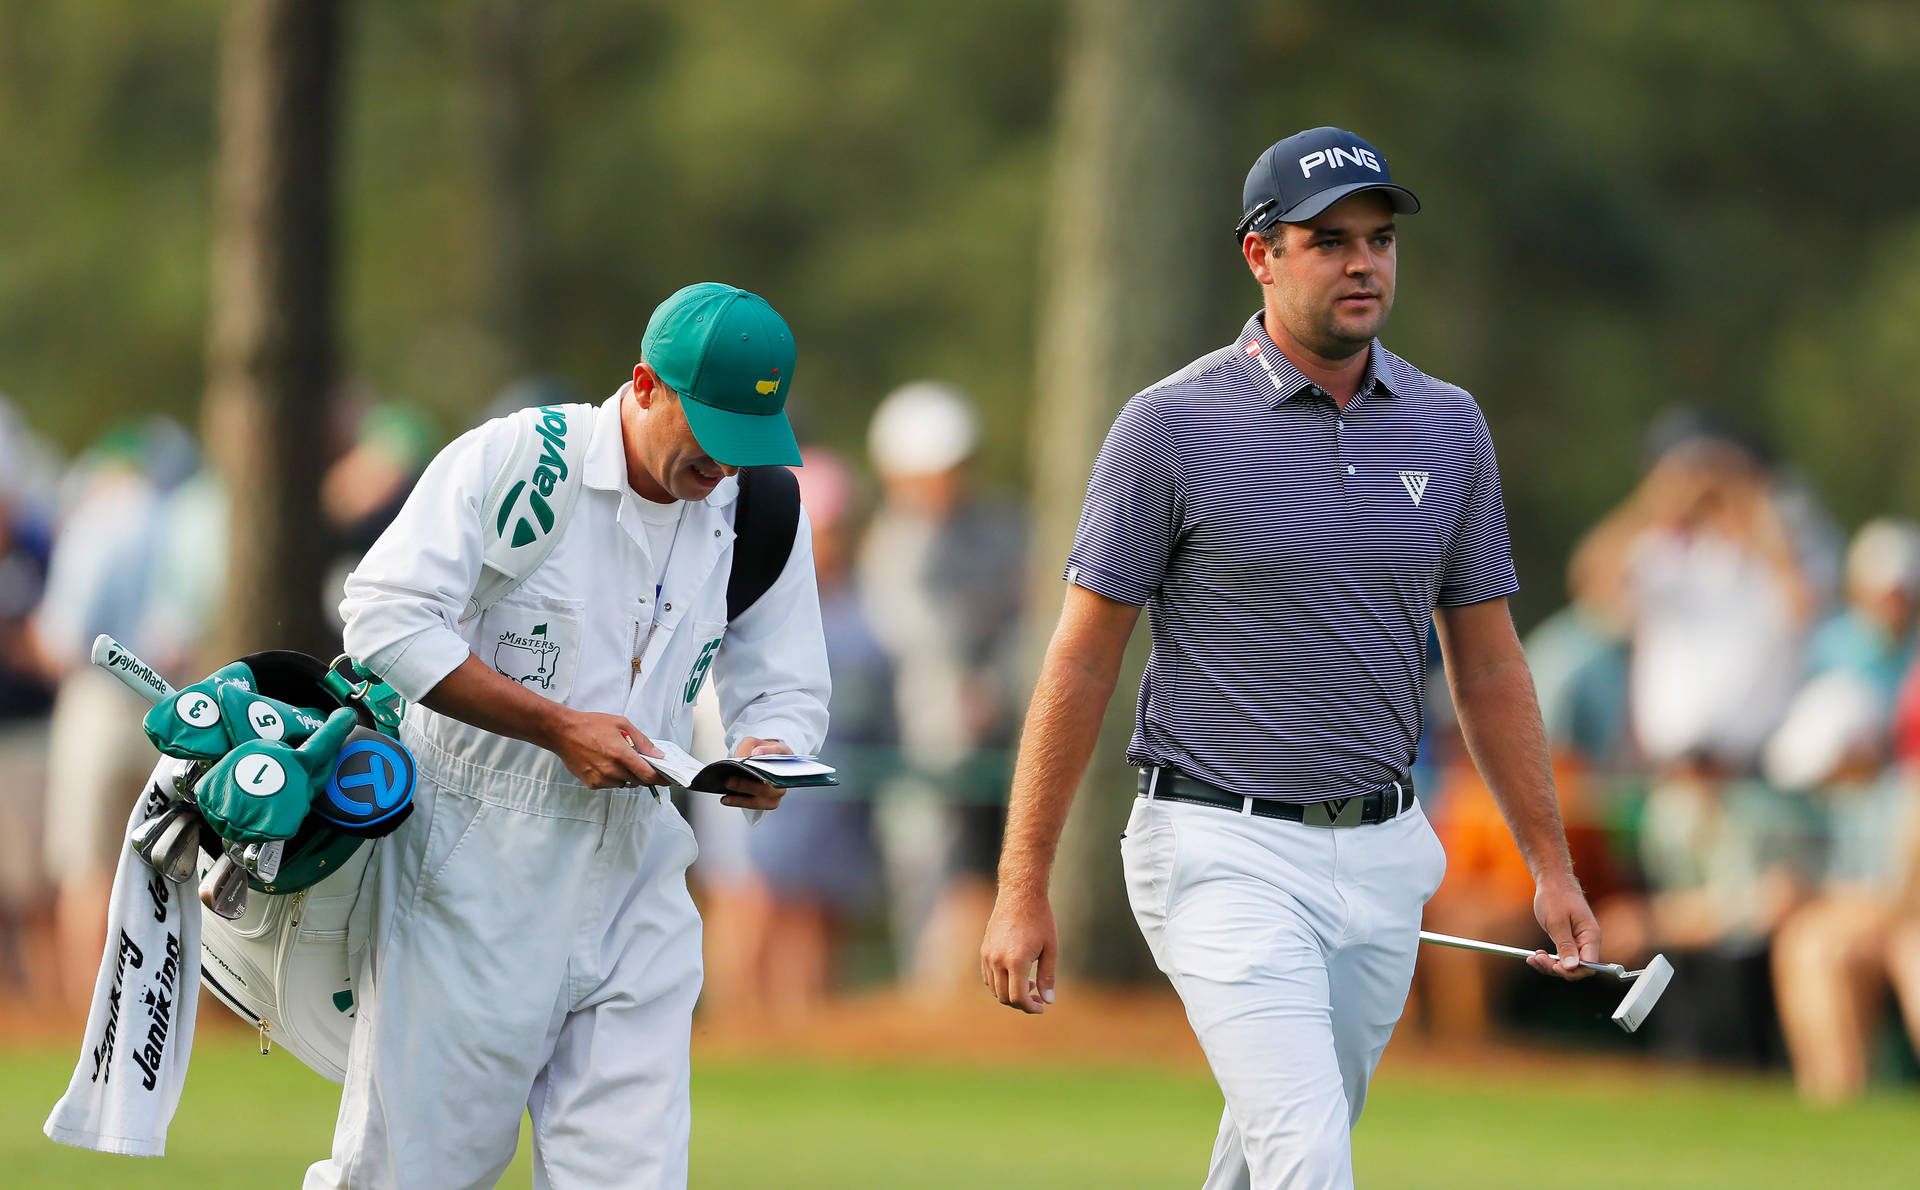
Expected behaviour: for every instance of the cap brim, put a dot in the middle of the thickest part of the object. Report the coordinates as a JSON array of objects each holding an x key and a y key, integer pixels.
[
  {"x": 742, "y": 439},
  {"x": 1402, "y": 198}
]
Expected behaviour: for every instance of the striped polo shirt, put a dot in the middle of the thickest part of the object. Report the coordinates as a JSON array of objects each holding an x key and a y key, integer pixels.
[{"x": 1290, "y": 556}]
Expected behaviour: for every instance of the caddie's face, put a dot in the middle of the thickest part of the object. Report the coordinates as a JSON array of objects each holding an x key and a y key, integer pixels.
[
  {"x": 1330, "y": 286},
  {"x": 664, "y": 460}
]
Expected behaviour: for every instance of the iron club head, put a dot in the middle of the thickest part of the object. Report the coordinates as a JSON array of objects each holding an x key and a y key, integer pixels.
[
  {"x": 224, "y": 888},
  {"x": 1641, "y": 997},
  {"x": 169, "y": 842}
]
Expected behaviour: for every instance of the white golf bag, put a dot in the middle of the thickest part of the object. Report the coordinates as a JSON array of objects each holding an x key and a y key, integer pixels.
[{"x": 287, "y": 964}]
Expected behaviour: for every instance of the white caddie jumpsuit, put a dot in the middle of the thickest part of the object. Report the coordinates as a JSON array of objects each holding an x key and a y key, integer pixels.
[{"x": 529, "y": 943}]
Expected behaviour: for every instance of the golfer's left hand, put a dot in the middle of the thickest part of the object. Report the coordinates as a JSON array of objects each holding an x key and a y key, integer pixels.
[
  {"x": 755, "y": 795},
  {"x": 1563, "y": 913}
]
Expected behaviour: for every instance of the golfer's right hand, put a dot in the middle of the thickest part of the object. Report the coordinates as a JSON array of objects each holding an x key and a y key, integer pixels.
[
  {"x": 1018, "y": 952},
  {"x": 604, "y": 751}
]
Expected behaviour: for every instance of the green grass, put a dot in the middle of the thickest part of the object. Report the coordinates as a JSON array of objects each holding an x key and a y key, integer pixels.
[{"x": 795, "y": 1126}]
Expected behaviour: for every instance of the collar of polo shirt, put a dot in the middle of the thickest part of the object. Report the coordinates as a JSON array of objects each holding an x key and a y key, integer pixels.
[{"x": 1260, "y": 354}]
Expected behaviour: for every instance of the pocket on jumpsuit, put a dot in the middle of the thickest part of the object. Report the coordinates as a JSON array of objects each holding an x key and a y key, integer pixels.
[
  {"x": 455, "y": 817},
  {"x": 535, "y": 640}
]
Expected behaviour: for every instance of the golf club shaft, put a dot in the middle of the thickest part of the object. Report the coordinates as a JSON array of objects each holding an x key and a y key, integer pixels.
[
  {"x": 1613, "y": 969},
  {"x": 135, "y": 674},
  {"x": 1474, "y": 944}
]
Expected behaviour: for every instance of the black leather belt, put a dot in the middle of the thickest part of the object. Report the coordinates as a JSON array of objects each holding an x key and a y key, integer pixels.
[{"x": 1354, "y": 810}]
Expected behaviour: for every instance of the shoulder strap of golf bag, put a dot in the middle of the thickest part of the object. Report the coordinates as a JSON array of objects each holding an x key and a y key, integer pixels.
[
  {"x": 530, "y": 499},
  {"x": 765, "y": 522}
]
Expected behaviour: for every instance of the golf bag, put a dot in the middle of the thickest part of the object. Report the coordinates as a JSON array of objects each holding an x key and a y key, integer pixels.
[{"x": 286, "y": 964}]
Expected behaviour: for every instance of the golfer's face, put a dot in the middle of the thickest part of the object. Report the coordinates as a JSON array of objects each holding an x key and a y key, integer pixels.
[{"x": 1334, "y": 280}]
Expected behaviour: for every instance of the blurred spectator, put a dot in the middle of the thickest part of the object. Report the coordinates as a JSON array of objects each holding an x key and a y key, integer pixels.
[
  {"x": 28, "y": 478},
  {"x": 775, "y": 916},
  {"x": 527, "y": 392},
  {"x": 1835, "y": 958},
  {"x": 139, "y": 554},
  {"x": 1579, "y": 658},
  {"x": 1873, "y": 636},
  {"x": 27, "y": 505},
  {"x": 942, "y": 575},
  {"x": 1488, "y": 891},
  {"x": 1700, "y": 565},
  {"x": 363, "y": 490},
  {"x": 1725, "y": 861}
]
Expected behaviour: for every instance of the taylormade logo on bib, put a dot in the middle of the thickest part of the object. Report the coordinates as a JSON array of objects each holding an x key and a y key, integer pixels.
[{"x": 550, "y": 469}]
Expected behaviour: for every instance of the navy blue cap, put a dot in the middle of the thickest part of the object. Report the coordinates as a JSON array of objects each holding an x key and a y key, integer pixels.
[{"x": 1308, "y": 172}]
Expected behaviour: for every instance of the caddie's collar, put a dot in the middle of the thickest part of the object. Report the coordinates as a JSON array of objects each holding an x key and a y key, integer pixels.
[{"x": 606, "y": 465}]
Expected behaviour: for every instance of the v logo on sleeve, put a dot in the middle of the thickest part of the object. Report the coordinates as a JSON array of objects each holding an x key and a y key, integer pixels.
[{"x": 1416, "y": 484}]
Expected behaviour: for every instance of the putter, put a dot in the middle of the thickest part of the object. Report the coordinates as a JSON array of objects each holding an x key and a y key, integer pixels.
[
  {"x": 224, "y": 888},
  {"x": 1648, "y": 982}
]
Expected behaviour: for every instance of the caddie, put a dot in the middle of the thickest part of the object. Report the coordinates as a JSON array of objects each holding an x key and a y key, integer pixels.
[
  {"x": 1296, "y": 510},
  {"x": 550, "y": 600}
]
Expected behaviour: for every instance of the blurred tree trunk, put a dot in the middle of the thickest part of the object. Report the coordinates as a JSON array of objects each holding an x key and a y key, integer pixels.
[
  {"x": 1138, "y": 242},
  {"x": 269, "y": 418},
  {"x": 500, "y": 90}
]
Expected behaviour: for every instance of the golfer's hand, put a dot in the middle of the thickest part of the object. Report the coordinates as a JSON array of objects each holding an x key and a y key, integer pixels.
[
  {"x": 1018, "y": 952},
  {"x": 755, "y": 795},
  {"x": 604, "y": 751},
  {"x": 1562, "y": 911}
]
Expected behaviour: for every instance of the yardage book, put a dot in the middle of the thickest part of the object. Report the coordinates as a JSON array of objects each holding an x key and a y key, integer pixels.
[{"x": 786, "y": 772}]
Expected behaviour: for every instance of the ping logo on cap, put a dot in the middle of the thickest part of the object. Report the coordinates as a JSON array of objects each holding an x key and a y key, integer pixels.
[{"x": 1335, "y": 156}]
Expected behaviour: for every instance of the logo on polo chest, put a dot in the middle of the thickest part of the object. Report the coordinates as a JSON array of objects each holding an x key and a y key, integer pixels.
[
  {"x": 1416, "y": 484},
  {"x": 527, "y": 659}
]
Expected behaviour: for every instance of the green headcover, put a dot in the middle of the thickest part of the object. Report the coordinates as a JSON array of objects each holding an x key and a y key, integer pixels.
[
  {"x": 262, "y": 790},
  {"x": 218, "y": 713}
]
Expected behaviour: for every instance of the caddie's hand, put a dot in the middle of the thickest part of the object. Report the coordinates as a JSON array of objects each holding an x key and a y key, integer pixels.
[
  {"x": 1563, "y": 913},
  {"x": 755, "y": 795},
  {"x": 1017, "y": 954},
  {"x": 604, "y": 751}
]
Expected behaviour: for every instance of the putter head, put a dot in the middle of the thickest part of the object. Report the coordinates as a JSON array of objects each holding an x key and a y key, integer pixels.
[
  {"x": 224, "y": 888},
  {"x": 1644, "y": 993}
]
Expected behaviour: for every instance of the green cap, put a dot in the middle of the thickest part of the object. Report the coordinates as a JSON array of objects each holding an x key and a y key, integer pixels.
[{"x": 730, "y": 357}]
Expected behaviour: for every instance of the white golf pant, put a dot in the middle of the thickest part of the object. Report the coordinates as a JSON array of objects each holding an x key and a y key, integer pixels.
[
  {"x": 1292, "y": 948},
  {"x": 531, "y": 947}
]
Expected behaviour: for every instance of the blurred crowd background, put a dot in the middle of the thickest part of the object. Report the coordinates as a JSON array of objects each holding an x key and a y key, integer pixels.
[{"x": 1674, "y": 252}]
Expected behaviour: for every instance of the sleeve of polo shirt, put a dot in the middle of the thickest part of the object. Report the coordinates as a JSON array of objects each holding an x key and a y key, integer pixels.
[
  {"x": 1480, "y": 560},
  {"x": 1132, "y": 514}
]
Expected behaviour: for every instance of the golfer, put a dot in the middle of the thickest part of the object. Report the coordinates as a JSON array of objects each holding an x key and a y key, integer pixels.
[
  {"x": 1294, "y": 510},
  {"x": 531, "y": 944}
]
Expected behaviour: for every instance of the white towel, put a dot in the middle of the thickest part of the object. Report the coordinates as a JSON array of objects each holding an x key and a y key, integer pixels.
[{"x": 133, "y": 1059}]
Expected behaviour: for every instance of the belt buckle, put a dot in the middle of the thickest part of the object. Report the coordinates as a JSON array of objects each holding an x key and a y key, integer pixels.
[{"x": 1336, "y": 812}]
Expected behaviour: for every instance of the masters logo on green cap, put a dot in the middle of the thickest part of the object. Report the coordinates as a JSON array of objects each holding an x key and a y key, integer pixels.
[{"x": 730, "y": 357}]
